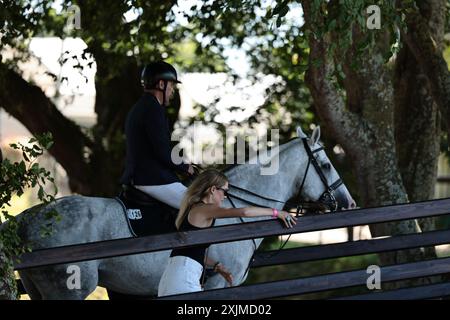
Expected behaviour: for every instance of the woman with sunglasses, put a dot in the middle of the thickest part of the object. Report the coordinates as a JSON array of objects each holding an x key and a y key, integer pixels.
[{"x": 199, "y": 208}]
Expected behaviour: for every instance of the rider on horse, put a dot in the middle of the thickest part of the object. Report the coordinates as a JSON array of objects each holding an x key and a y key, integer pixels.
[{"x": 149, "y": 166}]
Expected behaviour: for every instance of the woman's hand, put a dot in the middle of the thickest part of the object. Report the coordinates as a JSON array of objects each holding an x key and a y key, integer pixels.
[
  {"x": 220, "y": 269},
  {"x": 288, "y": 218}
]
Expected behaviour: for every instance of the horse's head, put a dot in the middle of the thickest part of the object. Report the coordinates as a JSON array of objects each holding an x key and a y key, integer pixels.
[{"x": 320, "y": 183}]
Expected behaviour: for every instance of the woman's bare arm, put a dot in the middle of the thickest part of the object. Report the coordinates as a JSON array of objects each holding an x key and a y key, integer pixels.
[{"x": 210, "y": 211}]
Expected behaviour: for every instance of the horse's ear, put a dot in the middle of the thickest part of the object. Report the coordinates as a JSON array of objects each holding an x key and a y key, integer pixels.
[
  {"x": 315, "y": 137},
  {"x": 300, "y": 133}
]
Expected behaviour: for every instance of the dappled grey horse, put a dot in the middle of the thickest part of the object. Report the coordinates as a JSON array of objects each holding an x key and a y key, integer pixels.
[{"x": 89, "y": 219}]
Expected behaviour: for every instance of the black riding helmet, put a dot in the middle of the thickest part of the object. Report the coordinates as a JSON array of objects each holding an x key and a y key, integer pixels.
[{"x": 156, "y": 71}]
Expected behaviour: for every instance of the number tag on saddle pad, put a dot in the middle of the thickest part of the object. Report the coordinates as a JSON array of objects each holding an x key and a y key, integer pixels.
[
  {"x": 146, "y": 219},
  {"x": 134, "y": 214}
]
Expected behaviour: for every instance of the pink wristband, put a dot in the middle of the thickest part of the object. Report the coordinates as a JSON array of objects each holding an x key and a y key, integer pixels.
[{"x": 275, "y": 213}]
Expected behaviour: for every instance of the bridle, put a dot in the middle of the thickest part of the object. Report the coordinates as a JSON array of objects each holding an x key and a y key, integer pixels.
[{"x": 327, "y": 198}]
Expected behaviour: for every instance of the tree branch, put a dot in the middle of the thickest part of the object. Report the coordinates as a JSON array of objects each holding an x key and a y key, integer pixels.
[
  {"x": 28, "y": 104},
  {"x": 329, "y": 103}
]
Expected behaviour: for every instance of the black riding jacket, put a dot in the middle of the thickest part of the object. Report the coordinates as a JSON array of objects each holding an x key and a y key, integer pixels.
[{"x": 148, "y": 158}]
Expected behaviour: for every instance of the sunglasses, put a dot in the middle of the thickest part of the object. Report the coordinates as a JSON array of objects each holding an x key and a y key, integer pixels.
[{"x": 224, "y": 190}]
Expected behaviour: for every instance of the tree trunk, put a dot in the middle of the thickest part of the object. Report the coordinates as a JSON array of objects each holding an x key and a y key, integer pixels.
[
  {"x": 418, "y": 120},
  {"x": 417, "y": 129}
]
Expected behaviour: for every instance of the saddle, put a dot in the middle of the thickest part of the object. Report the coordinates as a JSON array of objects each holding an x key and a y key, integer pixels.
[{"x": 145, "y": 214}]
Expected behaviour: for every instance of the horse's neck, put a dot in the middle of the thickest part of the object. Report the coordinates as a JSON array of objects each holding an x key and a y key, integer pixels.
[{"x": 279, "y": 186}]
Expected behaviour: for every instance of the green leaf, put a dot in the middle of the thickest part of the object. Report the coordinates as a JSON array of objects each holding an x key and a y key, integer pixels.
[
  {"x": 332, "y": 25},
  {"x": 284, "y": 11},
  {"x": 316, "y": 4},
  {"x": 22, "y": 168},
  {"x": 362, "y": 21},
  {"x": 25, "y": 156},
  {"x": 41, "y": 193},
  {"x": 277, "y": 8},
  {"x": 278, "y": 23},
  {"x": 48, "y": 145}
]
